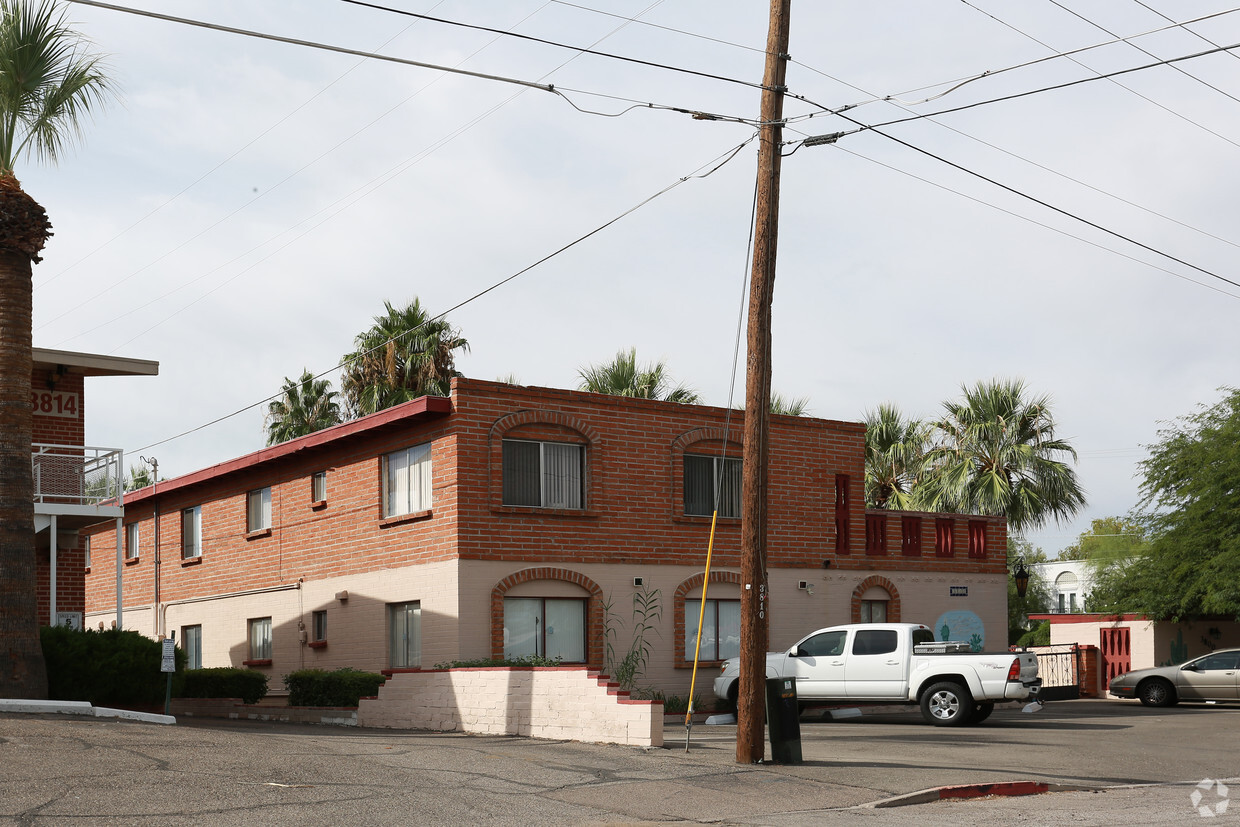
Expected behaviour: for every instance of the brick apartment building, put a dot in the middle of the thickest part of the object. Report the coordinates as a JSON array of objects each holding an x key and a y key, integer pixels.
[
  {"x": 76, "y": 486},
  {"x": 514, "y": 520}
]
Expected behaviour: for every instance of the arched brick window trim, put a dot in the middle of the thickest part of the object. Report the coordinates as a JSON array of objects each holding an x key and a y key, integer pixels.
[
  {"x": 495, "y": 450},
  {"x": 678, "y": 604},
  {"x": 687, "y": 440},
  {"x": 893, "y": 605},
  {"x": 594, "y": 608}
]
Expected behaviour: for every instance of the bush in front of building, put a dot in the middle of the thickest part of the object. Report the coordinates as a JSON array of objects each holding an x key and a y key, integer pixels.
[
  {"x": 225, "y": 682},
  {"x": 107, "y": 668},
  {"x": 343, "y": 687}
]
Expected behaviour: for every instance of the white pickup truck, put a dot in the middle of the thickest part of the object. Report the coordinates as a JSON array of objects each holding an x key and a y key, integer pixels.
[{"x": 897, "y": 663}]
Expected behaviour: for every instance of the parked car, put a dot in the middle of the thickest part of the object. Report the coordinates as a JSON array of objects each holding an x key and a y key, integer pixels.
[
  {"x": 893, "y": 663},
  {"x": 1212, "y": 677}
]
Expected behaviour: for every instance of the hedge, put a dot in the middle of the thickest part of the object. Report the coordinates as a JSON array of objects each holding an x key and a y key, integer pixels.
[
  {"x": 107, "y": 668},
  {"x": 344, "y": 687},
  {"x": 225, "y": 682}
]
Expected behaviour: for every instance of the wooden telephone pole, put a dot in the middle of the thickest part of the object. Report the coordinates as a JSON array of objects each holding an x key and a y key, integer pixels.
[{"x": 755, "y": 596}]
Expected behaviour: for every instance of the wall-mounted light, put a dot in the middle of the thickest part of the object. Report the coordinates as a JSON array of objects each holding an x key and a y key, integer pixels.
[
  {"x": 826, "y": 564},
  {"x": 1021, "y": 578},
  {"x": 638, "y": 582}
]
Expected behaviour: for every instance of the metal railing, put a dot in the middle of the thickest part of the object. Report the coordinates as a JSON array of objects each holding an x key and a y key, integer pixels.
[
  {"x": 1059, "y": 667},
  {"x": 77, "y": 475}
]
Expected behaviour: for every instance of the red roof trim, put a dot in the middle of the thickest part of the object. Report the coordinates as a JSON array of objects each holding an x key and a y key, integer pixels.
[{"x": 426, "y": 407}]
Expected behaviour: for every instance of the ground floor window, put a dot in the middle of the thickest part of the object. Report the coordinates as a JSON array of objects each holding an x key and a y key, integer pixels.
[
  {"x": 191, "y": 643},
  {"x": 260, "y": 638},
  {"x": 545, "y": 627},
  {"x": 318, "y": 622},
  {"x": 721, "y": 629},
  {"x": 873, "y": 611},
  {"x": 405, "y": 635}
]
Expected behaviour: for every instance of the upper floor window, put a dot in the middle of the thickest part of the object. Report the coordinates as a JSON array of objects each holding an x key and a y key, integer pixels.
[
  {"x": 258, "y": 510},
  {"x": 86, "y": 549},
  {"x": 191, "y": 533},
  {"x": 944, "y": 529},
  {"x": 544, "y": 474},
  {"x": 843, "y": 505},
  {"x": 318, "y": 487},
  {"x": 712, "y": 482},
  {"x": 407, "y": 481},
  {"x": 910, "y": 536},
  {"x": 977, "y": 538},
  {"x": 131, "y": 541}
]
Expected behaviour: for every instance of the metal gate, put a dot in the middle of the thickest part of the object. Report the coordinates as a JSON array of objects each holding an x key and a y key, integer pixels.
[{"x": 1059, "y": 667}]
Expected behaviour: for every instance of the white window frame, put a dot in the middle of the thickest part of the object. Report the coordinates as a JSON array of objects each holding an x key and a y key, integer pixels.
[
  {"x": 133, "y": 537},
  {"x": 561, "y": 479},
  {"x": 710, "y": 650},
  {"x": 405, "y": 634},
  {"x": 191, "y": 532},
  {"x": 86, "y": 548},
  {"x": 731, "y": 500},
  {"x": 318, "y": 625},
  {"x": 407, "y": 475},
  {"x": 540, "y": 630},
  {"x": 192, "y": 645},
  {"x": 318, "y": 487},
  {"x": 258, "y": 510},
  {"x": 259, "y": 637}
]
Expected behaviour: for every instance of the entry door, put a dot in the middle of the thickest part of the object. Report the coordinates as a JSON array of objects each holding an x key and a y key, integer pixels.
[
  {"x": 1116, "y": 648},
  {"x": 819, "y": 666},
  {"x": 876, "y": 665}
]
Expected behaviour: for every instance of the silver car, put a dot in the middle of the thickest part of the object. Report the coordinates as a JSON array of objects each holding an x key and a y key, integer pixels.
[{"x": 1212, "y": 677}]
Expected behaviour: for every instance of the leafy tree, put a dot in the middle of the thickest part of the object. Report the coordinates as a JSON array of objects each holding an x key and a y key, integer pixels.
[
  {"x": 788, "y": 406},
  {"x": 997, "y": 454},
  {"x": 1037, "y": 599},
  {"x": 624, "y": 377},
  {"x": 305, "y": 405},
  {"x": 895, "y": 452},
  {"x": 1191, "y": 508},
  {"x": 49, "y": 80},
  {"x": 1108, "y": 537},
  {"x": 404, "y": 355}
]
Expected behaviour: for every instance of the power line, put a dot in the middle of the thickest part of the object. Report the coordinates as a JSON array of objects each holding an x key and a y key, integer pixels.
[
  {"x": 702, "y": 171},
  {"x": 545, "y": 42}
]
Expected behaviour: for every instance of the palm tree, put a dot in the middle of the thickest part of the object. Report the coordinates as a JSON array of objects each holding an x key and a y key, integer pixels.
[
  {"x": 788, "y": 406},
  {"x": 305, "y": 405},
  {"x": 895, "y": 455},
  {"x": 997, "y": 454},
  {"x": 405, "y": 354},
  {"x": 48, "y": 80},
  {"x": 624, "y": 377}
]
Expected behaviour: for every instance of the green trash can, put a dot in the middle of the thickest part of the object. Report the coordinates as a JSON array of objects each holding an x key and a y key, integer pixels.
[{"x": 783, "y": 720}]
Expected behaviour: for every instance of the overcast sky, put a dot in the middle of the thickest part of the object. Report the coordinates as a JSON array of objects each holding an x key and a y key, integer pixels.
[{"x": 247, "y": 207}]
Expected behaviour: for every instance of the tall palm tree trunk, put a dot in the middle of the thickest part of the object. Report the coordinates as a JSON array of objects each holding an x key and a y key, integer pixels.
[{"x": 23, "y": 230}]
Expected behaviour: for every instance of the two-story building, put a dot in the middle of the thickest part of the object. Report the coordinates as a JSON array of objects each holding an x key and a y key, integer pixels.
[
  {"x": 77, "y": 487},
  {"x": 508, "y": 521}
]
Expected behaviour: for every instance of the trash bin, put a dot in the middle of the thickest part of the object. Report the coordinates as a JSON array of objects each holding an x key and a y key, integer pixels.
[{"x": 783, "y": 720}]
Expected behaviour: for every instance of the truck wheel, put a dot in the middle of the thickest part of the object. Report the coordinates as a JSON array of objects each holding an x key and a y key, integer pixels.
[
  {"x": 733, "y": 693},
  {"x": 947, "y": 704},
  {"x": 981, "y": 712}
]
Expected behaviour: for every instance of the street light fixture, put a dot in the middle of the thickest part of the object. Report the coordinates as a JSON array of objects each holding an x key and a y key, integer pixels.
[{"x": 1021, "y": 576}]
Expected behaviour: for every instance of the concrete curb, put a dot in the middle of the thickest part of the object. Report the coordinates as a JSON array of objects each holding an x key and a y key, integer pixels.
[
  {"x": 82, "y": 708},
  {"x": 998, "y": 788}
]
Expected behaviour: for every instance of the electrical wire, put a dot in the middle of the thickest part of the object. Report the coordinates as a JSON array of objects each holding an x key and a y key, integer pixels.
[{"x": 711, "y": 167}]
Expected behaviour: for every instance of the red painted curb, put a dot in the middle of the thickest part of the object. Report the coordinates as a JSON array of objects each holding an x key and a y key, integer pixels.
[{"x": 1001, "y": 788}]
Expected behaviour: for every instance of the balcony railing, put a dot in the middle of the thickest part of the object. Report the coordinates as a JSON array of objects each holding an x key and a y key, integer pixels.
[{"x": 78, "y": 475}]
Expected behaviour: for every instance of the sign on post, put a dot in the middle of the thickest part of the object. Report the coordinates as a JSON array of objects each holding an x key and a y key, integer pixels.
[{"x": 169, "y": 662}]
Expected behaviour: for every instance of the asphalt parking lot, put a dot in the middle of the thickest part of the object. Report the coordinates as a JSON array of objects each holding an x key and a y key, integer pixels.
[{"x": 1135, "y": 765}]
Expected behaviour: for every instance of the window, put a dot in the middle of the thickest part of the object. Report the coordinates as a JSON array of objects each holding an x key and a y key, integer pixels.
[
  {"x": 318, "y": 624},
  {"x": 910, "y": 536},
  {"x": 875, "y": 533},
  {"x": 260, "y": 638},
  {"x": 131, "y": 541},
  {"x": 86, "y": 549},
  {"x": 405, "y": 635},
  {"x": 258, "y": 510},
  {"x": 191, "y": 642},
  {"x": 977, "y": 538},
  {"x": 873, "y": 611},
  {"x": 875, "y": 641},
  {"x": 721, "y": 629},
  {"x": 707, "y": 476},
  {"x": 944, "y": 528},
  {"x": 1219, "y": 660},
  {"x": 191, "y": 533},
  {"x": 1062, "y": 601},
  {"x": 318, "y": 487},
  {"x": 543, "y": 474},
  {"x": 545, "y": 627},
  {"x": 407, "y": 481},
  {"x": 827, "y": 644},
  {"x": 842, "y": 507}
]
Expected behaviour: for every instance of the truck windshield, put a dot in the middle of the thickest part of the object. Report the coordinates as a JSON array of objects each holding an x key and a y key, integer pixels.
[{"x": 922, "y": 636}]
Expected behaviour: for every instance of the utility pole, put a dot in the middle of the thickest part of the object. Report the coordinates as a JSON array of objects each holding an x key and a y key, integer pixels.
[{"x": 755, "y": 596}]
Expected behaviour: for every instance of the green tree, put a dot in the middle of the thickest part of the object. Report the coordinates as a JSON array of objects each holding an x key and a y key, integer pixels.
[
  {"x": 1108, "y": 537},
  {"x": 624, "y": 377},
  {"x": 997, "y": 454},
  {"x": 1037, "y": 599},
  {"x": 895, "y": 457},
  {"x": 404, "y": 355},
  {"x": 49, "y": 80},
  {"x": 1191, "y": 509},
  {"x": 140, "y": 476},
  {"x": 789, "y": 406},
  {"x": 305, "y": 405}
]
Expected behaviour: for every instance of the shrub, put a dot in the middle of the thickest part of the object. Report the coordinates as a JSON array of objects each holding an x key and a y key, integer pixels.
[
  {"x": 225, "y": 682},
  {"x": 107, "y": 668},
  {"x": 523, "y": 660},
  {"x": 344, "y": 687}
]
